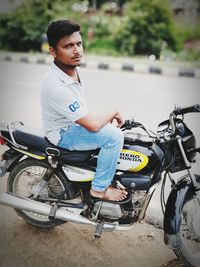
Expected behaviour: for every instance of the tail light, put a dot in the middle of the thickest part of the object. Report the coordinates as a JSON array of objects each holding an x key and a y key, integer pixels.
[{"x": 2, "y": 140}]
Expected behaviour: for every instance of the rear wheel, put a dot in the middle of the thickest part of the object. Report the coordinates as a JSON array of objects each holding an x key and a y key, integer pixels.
[
  {"x": 189, "y": 234},
  {"x": 24, "y": 177}
]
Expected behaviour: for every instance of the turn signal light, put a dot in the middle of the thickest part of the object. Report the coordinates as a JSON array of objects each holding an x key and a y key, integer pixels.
[{"x": 2, "y": 141}]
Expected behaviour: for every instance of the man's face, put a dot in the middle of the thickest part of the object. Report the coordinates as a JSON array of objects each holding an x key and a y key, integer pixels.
[{"x": 69, "y": 50}]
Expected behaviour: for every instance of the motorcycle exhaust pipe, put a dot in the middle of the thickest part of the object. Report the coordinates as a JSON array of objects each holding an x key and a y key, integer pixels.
[{"x": 22, "y": 203}]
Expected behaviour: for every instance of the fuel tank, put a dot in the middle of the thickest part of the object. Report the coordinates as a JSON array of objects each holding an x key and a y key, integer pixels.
[{"x": 139, "y": 157}]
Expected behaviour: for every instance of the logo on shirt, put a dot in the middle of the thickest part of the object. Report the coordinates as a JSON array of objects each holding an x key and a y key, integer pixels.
[{"x": 73, "y": 107}]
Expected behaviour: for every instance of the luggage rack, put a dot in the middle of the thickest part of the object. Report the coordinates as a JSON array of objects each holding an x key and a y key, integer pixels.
[{"x": 11, "y": 127}]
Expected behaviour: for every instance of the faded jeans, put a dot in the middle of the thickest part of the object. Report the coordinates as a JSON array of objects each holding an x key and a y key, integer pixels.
[{"x": 109, "y": 139}]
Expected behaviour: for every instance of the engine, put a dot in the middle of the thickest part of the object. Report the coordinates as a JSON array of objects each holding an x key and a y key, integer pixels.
[
  {"x": 108, "y": 210},
  {"x": 122, "y": 212}
]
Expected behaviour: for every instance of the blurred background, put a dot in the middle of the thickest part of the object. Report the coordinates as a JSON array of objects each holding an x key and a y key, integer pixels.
[{"x": 166, "y": 30}]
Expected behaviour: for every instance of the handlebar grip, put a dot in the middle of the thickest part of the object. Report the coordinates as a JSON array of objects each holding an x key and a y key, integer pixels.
[
  {"x": 189, "y": 109},
  {"x": 127, "y": 123}
]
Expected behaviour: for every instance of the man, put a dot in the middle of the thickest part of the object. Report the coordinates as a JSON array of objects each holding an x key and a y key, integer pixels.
[{"x": 67, "y": 121}]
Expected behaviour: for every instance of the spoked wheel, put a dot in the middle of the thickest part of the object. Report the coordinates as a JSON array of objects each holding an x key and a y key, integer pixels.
[
  {"x": 25, "y": 177},
  {"x": 189, "y": 234}
]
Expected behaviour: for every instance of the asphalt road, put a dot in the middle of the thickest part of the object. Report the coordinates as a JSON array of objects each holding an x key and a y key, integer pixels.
[{"x": 146, "y": 98}]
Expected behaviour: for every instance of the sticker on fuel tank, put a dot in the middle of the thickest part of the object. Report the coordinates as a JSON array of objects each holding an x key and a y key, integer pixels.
[{"x": 132, "y": 161}]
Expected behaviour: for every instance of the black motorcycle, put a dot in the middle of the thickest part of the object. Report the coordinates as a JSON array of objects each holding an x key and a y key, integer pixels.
[{"x": 48, "y": 185}]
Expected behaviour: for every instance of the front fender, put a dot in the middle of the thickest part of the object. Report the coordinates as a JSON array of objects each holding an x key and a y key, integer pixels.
[{"x": 180, "y": 193}]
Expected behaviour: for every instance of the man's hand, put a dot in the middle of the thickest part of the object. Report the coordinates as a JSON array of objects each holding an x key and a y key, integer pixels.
[{"x": 118, "y": 117}]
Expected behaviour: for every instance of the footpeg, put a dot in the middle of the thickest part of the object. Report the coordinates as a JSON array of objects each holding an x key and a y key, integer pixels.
[
  {"x": 98, "y": 230},
  {"x": 52, "y": 212}
]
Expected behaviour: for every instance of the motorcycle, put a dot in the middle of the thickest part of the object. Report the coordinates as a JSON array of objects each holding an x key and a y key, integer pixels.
[{"x": 48, "y": 185}]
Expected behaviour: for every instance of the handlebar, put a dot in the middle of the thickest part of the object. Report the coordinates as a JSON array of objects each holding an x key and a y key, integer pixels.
[
  {"x": 189, "y": 109},
  {"x": 129, "y": 124},
  {"x": 181, "y": 111}
]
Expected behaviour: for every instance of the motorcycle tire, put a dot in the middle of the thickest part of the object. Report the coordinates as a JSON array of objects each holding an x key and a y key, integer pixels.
[
  {"x": 21, "y": 180},
  {"x": 189, "y": 234}
]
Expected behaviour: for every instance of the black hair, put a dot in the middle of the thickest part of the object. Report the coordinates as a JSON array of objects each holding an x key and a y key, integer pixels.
[{"x": 58, "y": 29}]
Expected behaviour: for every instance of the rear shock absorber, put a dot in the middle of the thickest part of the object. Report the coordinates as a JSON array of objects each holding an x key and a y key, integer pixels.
[{"x": 42, "y": 184}]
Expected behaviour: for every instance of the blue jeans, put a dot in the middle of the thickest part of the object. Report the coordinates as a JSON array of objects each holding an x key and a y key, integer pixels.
[{"x": 109, "y": 139}]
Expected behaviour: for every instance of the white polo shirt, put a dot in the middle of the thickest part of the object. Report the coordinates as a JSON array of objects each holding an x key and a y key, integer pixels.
[{"x": 62, "y": 101}]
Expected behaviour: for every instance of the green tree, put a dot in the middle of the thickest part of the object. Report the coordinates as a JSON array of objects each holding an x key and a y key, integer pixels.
[
  {"x": 22, "y": 29},
  {"x": 147, "y": 27}
]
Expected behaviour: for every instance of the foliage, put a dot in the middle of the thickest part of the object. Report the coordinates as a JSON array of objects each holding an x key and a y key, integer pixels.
[
  {"x": 187, "y": 32},
  {"x": 22, "y": 29},
  {"x": 147, "y": 27},
  {"x": 189, "y": 38},
  {"x": 102, "y": 41}
]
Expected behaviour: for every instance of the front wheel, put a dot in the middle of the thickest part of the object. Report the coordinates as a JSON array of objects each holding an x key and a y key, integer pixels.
[
  {"x": 21, "y": 181},
  {"x": 189, "y": 234}
]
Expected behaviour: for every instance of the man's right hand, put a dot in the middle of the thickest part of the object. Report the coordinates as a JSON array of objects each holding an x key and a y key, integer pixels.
[{"x": 118, "y": 117}]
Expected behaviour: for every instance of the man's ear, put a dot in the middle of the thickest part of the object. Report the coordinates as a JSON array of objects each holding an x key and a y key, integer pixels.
[{"x": 52, "y": 51}]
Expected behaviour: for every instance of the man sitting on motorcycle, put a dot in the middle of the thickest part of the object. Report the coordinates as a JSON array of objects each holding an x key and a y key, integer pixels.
[{"x": 68, "y": 123}]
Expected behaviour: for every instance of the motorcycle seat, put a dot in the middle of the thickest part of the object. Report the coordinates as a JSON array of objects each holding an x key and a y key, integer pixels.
[{"x": 41, "y": 144}]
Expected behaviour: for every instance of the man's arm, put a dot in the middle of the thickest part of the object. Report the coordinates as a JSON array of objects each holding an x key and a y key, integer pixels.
[{"x": 95, "y": 123}]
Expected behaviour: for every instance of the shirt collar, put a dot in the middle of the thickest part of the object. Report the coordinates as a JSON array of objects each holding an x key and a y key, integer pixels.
[{"x": 62, "y": 75}]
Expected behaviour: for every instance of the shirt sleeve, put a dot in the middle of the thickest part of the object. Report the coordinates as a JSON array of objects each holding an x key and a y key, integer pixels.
[{"x": 69, "y": 104}]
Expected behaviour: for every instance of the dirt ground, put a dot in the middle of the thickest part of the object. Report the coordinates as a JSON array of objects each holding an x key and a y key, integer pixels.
[
  {"x": 73, "y": 245},
  {"x": 70, "y": 245}
]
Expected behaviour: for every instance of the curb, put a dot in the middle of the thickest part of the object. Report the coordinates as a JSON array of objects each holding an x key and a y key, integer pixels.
[{"x": 126, "y": 67}]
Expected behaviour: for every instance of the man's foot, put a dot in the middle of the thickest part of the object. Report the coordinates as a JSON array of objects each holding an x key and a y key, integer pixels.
[{"x": 111, "y": 194}]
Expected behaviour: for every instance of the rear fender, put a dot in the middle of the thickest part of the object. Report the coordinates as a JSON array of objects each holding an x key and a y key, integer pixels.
[
  {"x": 181, "y": 192},
  {"x": 10, "y": 164}
]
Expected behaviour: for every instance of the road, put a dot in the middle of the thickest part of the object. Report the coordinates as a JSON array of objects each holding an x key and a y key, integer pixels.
[{"x": 146, "y": 98}]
